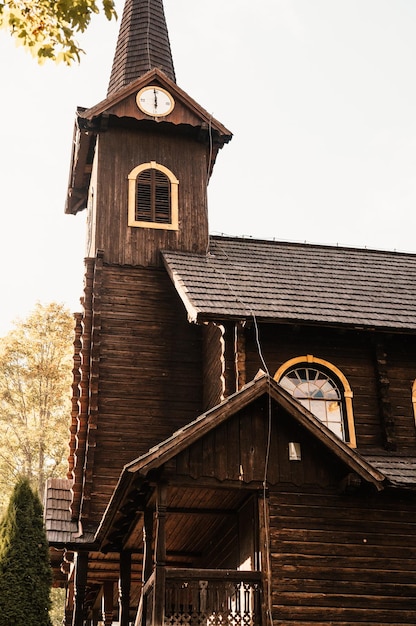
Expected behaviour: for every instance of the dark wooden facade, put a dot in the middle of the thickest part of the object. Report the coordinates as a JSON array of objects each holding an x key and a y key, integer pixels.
[
  {"x": 199, "y": 490},
  {"x": 119, "y": 150}
]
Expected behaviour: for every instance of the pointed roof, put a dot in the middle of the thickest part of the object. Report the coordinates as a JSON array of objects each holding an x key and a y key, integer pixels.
[{"x": 142, "y": 45}]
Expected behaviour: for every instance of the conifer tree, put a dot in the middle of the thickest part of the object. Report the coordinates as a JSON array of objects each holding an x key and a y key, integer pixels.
[{"x": 25, "y": 572}]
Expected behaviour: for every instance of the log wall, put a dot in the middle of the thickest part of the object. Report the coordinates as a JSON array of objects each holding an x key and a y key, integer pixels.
[
  {"x": 355, "y": 354},
  {"x": 150, "y": 373},
  {"x": 342, "y": 559}
]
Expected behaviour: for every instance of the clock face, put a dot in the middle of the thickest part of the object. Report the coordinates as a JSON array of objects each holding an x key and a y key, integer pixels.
[{"x": 155, "y": 101}]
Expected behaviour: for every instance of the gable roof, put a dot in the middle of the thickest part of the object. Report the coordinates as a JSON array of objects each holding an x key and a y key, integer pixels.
[
  {"x": 289, "y": 282},
  {"x": 206, "y": 422},
  {"x": 142, "y": 45}
]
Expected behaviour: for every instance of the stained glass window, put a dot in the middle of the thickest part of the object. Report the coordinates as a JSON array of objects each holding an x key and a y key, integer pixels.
[{"x": 318, "y": 392}]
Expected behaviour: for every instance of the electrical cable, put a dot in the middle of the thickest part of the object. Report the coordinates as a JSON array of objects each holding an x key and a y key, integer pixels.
[{"x": 269, "y": 433}]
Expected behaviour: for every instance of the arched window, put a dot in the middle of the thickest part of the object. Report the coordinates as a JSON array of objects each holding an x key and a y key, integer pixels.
[
  {"x": 414, "y": 399},
  {"x": 322, "y": 389},
  {"x": 153, "y": 197}
]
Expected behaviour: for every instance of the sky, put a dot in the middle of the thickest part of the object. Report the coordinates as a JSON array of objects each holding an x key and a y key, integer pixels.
[{"x": 320, "y": 96}]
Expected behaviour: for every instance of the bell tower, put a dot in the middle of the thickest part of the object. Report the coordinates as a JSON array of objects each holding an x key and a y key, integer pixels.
[
  {"x": 141, "y": 161},
  {"x": 143, "y": 156}
]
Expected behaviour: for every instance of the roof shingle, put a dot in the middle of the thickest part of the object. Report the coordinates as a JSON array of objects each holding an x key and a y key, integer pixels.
[
  {"x": 280, "y": 281},
  {"x": 142, "y": 45}
]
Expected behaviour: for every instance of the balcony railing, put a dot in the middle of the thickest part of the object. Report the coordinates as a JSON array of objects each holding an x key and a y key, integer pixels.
[{"x": 205, "y": 597}]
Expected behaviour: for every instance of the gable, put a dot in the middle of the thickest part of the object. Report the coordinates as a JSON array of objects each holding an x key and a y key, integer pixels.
[
  {"x": 186, "y": 110},
  {"x": 262, "y": 386},
  {"x": 253, "y": 446}
]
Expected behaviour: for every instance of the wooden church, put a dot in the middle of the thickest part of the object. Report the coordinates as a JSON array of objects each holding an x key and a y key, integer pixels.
[{"x": 243, "y": 439}]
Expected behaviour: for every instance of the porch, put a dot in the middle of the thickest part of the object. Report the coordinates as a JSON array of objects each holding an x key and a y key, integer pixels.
[{"x": 180, "y": 596}]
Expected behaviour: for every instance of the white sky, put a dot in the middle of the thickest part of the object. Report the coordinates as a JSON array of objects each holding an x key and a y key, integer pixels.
[{"x": 320, "y": 96}]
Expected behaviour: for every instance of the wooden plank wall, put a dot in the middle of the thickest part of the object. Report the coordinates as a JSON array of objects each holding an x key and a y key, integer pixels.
[
  {"x": 342, "y": 559},
  {"x": 119, "y": 151},
  {"x": 150, "y": 372},
  {"x": 236, "y": 451},
  {"x": 354, "y": 353}
]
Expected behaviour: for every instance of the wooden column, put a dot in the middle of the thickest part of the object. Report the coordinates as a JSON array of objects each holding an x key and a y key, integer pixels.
[
  {"x": 160, "y": 557},
  {"x": 108, "y": 603},
  {"x": 240, "y": 351},
  {"x": 147, "y": 544},
  {"x": 124, "y": 584},
  {"x": 265, "y": 558},
  {"x": 383, "y": 387},
  {"x": 81, "y": 566},
  {"x": 147, "y": 564}
]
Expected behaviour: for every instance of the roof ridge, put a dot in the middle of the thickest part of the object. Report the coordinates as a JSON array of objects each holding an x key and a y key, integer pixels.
[{"x": 307, "y": 244}]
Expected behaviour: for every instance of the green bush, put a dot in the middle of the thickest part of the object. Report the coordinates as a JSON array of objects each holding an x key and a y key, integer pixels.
[{"x": 25, "y": 572}]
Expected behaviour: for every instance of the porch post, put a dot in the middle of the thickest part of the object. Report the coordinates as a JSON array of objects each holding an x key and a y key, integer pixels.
[
  {"x": 147, "y": 544},
  {"x": 108, "y": 603},
  {"x": 160, "y": 557},
  {"x": 124, "y": 584},
  {"x": 81, "y": 566},
  {"x": 265, "y": 563},
  {"x": 147, "y": 563}
]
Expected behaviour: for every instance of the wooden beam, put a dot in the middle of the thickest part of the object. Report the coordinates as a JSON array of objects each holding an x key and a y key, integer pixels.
[
  {"x": 81, "y": 566},
  {"x": 383, "y": 391},
  {"x": 264, "y": 531}
]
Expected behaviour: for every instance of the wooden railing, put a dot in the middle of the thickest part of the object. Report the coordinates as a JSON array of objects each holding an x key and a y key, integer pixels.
[{"x": 205, "y": 597}]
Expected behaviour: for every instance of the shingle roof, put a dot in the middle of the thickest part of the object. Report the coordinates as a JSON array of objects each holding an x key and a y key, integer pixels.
[
  {"x": 280, "y": 281},
  {"x": 400, "y": 471},
  {"x": 60, "y": 529},
  {"x": 142, "y": 45}
]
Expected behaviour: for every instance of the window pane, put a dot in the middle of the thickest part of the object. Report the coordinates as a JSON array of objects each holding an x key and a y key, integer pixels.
[{"x": 318, "y": 393}]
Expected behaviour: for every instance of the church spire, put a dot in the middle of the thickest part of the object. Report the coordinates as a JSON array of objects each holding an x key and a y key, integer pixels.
[{"x": 143, "y": 44}]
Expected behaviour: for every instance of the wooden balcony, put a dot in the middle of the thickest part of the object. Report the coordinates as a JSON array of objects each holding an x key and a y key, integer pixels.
[{"x": 196, "y": 597}]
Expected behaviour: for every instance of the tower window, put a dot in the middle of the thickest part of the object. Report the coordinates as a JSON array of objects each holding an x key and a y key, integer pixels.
[
  {"x": 153, "y": 197},
  {"x": 322, "y": 389}
]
